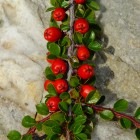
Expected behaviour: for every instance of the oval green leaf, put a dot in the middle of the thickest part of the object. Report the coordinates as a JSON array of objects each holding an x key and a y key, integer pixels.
[
  {"x": 28, "y": 121},
  {"x": 107, "y": 115},
  {"x": 125, "y": 123},
  {"x": 14, "y": 135},
  {"x": 42, "y": 109}
]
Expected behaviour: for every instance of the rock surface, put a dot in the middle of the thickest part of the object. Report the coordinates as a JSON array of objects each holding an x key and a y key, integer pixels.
[{"x": 22, "y": 60}]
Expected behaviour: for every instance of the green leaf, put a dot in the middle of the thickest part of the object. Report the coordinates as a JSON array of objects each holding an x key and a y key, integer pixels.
[
  {"x": 51, "y": 77},
  {"x": 102, "y": 99},
  {"x": 80, "y": 119},
  {"x": 57, "y": 129},
  {"x": 42, "y": 109},
  {"x": 54, "y": 49},
  {"x": 77, "y": 38},
  {"x": 125, "y": 123},
  {"x": 74, "y": 94},
  {"x": 93, "y": 97},
  {"x": 121, "y": 105},
  {"x": 48, "y": 71},
  {"x": 93, "y": 5},
  {"x": 88, "y": 110},
  {"x": 63, "y": 106},
  {"x": 137, "y": 132},
  {"x": 51, "y": 56},
  {"x": 50, "y": 9},
  {"x": 81, "y": 136},
  {"x": 58, "y": 116},
  {"x": 27, "y": 121},
  {"x": 64, "y": 95},
  {"x": 65, "y": 27},
  {"x": 95, "y": 46},
  {"x": 65, "y": 4},
  {"x": 27, "y": 137},
  {"x": 54, "y": 3},
  {"x": 51, "y": 123},
  {"x": 53, "y": 137},
  {"x": 79, "y": 13},
  {"x": 59, "y": 76},
  {"x": 90, "y": 16},
  {"x": 74, "y": 81},
  {"x": 137, "y": 114},
  {"x": 39, "y": 126},
  {"x": 52, "y": 90},
  {"x": 14, "y": 135},
  {"x": 65, "y": 41},
  {"x": 88, "y": 38},
  {"x": 107, "y": 115},
  {"x": 77, "y": 109},
  {"x": 77, "y": 128}
]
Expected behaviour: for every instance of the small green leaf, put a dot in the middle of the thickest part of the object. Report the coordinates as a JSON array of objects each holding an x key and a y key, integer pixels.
[
  {"x": 14, "y": 135},
  {"x": 58, "y": 116},
  {"x": 27, "y": 121},
  {"x": 51, "y": 77},
  {"x": 27, "y": 137},
  {"x": 107, "y": 115},
  {"x": 77, "y": 109},
  {"x": 39, "y": 126},
  {"x": 78, "y": 38},
  {"x": 137, "y": 132},
  {"x": 65, "y": 27},
  {"x": 64, "y": 95},
  {"x": 95, "y": 46},
  {"x": 81, "y": 136},
  {"x": 93, "y": 97},
  {"x": 80, "y": 119},
  {"x": 88, "y": 110},
  {"x": 54, "y": 3},
  {"x": 77, "y": 128},
  {"x": 93, "y": 5},
  {"x": 57, "y": 129},
  {"x": 53, "y": 137},
  {"x": 88, "y": 38},
  {"x": 59, "y": 76},
  {"x": 125, "y": 123},
  {"x": 51, "y": 56},
  {"x": 42, "y": 109},
  {"x": 65, "y": 4},
  {"x": 121, "y": 105},
  {"x": 137, "y": 114},
  {"x": 50, "y": 9},
  {"x": 74, "y": 94},
  {"x": 65, "y": 41},
  {"x": 51, "y": 123},
  {"x": 54, "y": 49},
  {"x": 48, "y": 71},
  {"x": 90, "y": 16},
  {"x": 52, "y": 90},
  {"x": 74, "y": 81},
  {"x": 79, "y": 13},
  {"x": 63, "y": 106}
]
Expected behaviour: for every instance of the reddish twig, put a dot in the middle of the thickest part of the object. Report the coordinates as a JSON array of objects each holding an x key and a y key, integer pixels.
[
  {"x": 118, "y": 115},
  {"x": 33, "y": 129}
]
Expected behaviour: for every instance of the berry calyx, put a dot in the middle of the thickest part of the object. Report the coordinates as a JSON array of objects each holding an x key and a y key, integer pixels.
[
  {"x": 59, "y": 66},
  {"x": 50, "y": 60},
  {"x": 81, "y": 25},
  {"x": 86, "y": 89},
  {"x": 59, "y": 14},
  {"x": 52, "y": 34},
  {"x": 83, "y": 53},
  {"x": 61, "y": 85},
  {"x": 53, "y": 103},
  {"x": 85, "y": 71},
  {"x": 46, "y": 83},
  {"x": 80, "y": 1}
]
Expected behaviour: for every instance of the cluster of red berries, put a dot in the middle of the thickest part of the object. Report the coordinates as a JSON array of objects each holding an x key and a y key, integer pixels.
[{"x": 59, "y": 66}]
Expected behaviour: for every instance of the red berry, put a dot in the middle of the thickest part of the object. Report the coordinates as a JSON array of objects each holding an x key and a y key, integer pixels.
[
  {"x": 52, "y": 34},
  {"x": 53, "y": 103},
  {"x": 47, "y": 82},
  {"x": 61, "y": 85},
  {"x": 59, "y": 14},
  {"x": 81, "y": 25},
  {"x": 59, "y": 66},
  {"x": 85, "y": 71},
  {"x": 86, "y": 89},
  {"x": 83, "y": 53},
  {"x": 50, "y": 60},
  {"x": 80, "y": 1}
]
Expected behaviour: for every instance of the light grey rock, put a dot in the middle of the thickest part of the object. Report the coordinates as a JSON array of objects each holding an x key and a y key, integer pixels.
[{"x": 23, "y": 54}]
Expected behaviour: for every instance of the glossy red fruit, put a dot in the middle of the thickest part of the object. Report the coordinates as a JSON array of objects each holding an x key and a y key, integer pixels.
[
  {"x": 46, "y": 83},
  {"x": 86, "y": 89},
  {"x": 80, "y": 1},
  {"x": 53, "y": 103},
  {"x": 81, "y": 25},
  {"x": 59, "y": 66},
  {"x": 52, "y": 34},
  {"x": 83, "y": 53},
  {"x": 50, "y": 60},
  {"x": 61, "y": 85},
  {"x": 85, "y": 71},
  {"x": 59, "y": 14}
]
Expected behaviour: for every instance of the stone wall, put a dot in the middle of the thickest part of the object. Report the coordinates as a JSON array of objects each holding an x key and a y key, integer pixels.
[{"x": 22, "y": 60}]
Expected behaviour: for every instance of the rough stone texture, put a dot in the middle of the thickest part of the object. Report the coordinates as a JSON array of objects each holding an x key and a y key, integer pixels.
[{"x": 22, "y": 60}]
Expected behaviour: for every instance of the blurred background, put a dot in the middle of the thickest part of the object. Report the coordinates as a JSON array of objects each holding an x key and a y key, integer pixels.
[{"x": 23, "y": 60}]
